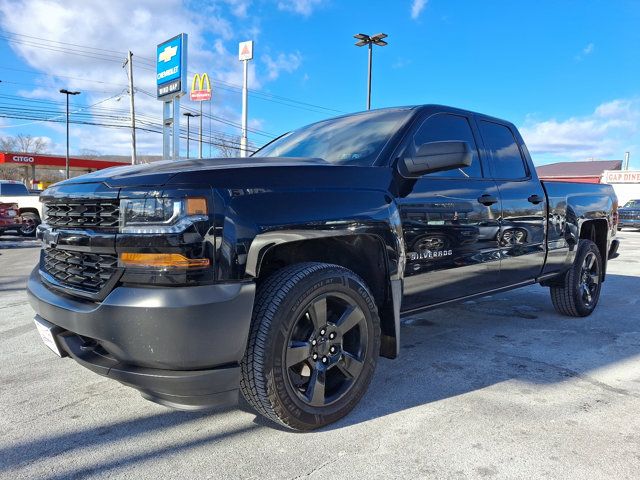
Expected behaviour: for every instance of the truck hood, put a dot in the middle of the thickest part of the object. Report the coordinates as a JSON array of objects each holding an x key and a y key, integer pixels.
[{"x": 159, "y": 173}]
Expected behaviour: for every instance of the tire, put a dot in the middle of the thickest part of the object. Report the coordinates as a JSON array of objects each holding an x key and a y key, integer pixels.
[
  {"x": 578, "y": 295},
  {"x": 283, "y": 374},
  {"x": 30, "y": 222}
]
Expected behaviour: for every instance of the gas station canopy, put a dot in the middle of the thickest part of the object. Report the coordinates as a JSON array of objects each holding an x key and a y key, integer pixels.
[{"x": 55, "y": 163}]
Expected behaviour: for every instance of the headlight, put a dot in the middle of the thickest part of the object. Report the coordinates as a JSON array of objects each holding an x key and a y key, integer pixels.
[{"x": 155, "y": 215}]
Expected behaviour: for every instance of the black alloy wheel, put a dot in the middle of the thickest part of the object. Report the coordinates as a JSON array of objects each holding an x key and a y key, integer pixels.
[
  {"x": 577, "y": 293},
  {"x": 313, "y": 345},
  {"x": 327, "y": 349}
]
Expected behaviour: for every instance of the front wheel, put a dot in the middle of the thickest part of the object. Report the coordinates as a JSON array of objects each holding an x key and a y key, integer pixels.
[
  {"x": 30, "y": 222},
  {"x": 313, "y": 345},
  {"x": 578, "y": 295}
]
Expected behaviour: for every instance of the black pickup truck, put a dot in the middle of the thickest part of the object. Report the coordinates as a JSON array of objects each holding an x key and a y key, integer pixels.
[{"x": 285, "y": 275}]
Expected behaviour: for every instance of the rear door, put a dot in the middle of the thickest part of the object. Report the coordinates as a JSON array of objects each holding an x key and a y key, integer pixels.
[
  {"x": 521, "y": 236},
  {"x": 449, "y": 221}
]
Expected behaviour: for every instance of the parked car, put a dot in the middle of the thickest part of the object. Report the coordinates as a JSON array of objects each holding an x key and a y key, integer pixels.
[
  {"x": 29, "y": 205},
  {"x": 284, "y": 276},
  {"x": 629, "y": 215},
  {"x": 9, "y": 217}
]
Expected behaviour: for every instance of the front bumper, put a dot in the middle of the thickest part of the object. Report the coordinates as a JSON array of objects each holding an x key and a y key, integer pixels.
[
  {"x": 179, "y": 346},
  {"x": 629, "y": 222}
]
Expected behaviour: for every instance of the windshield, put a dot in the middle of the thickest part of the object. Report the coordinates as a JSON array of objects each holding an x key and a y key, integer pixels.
[
  {"x": 632, "y": 204},
  {"x": 351, "y": 140}
]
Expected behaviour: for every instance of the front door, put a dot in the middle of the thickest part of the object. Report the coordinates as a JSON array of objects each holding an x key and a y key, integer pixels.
[{"x": 450, "y": 222}]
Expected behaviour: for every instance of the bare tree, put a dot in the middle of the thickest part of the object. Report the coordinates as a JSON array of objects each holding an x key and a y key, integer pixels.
[
  {"x": 31, "y": 144},
  {"x": 7, "y": 144},
  {"x": 24, "y": 144},
  {"x": 229, "y": 146}
]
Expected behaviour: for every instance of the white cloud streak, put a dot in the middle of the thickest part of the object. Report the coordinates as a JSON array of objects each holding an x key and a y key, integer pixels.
[
  {"x": 416, "y": 8},
  {"x": 301, "y": 7},
  {"x": 287, "y": 62},
  {"x": 606, "y": 133}
]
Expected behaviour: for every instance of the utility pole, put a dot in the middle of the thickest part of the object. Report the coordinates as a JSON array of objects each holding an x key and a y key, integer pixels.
[
  {"x": 67, "y": 93},
  {"x": 370, "y": 41},
  {"x": 129, "y": 63},
  {"x": 245, "y": 54}
]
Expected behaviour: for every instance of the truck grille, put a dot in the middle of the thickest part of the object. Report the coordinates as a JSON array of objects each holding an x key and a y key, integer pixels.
[
  {"x": 79, "y": 270},
  {"x": 629, "y": 215},
  {"x": 102, "y": 215}
]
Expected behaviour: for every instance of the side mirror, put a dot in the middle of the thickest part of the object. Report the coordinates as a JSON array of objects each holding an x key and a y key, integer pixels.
[{"x": 438, "y": 156}]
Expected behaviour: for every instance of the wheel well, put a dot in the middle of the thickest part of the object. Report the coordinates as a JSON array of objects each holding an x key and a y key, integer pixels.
[
  {"x": 363, "y": 254},
  {"x": 30, "y": 210},
  {"x": 596, "y": 231}
]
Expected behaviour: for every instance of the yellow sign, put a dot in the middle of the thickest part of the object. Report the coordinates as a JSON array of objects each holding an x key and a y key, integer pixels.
[{"x": 200, "y": 93}]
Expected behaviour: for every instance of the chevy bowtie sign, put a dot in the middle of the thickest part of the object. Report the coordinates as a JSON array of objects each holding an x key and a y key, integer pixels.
[
  {"x": 200, "y": 88},
  {"x": 171, "y": 67}
]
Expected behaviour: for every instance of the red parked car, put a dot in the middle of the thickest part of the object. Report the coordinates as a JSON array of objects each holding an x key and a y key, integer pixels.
[{"x": 9, "y": 217}]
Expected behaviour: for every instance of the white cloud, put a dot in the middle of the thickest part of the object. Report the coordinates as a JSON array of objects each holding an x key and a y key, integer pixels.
[
  {"x": 606, "y": 133},
  {"x": 302, "y": 7},
  {"x": 586, "y": 51},
  {"x": 416, "y": 8},
  {"x": 239, "y": 7},
  {"x": 288, "y": 62},
  {"x": 117, "y": 26}
]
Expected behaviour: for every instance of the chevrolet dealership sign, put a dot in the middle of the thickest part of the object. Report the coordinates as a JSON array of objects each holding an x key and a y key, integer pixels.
[{"x": 171, "y": 67}]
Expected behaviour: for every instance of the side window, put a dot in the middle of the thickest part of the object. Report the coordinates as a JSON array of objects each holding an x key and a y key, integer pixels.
[
  {"x": 505, "y": 154},
  {"x": 442, "y": 127}
]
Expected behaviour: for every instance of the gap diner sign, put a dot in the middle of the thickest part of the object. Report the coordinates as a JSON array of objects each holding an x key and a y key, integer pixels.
[{"x": 621, "y": 176}]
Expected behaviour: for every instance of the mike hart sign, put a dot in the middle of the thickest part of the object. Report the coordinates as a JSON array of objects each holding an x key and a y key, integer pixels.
[{"x": 200, "y": 88}]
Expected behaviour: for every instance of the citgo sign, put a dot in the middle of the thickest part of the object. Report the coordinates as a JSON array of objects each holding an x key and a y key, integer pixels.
[{"x": 22, "y": 159}]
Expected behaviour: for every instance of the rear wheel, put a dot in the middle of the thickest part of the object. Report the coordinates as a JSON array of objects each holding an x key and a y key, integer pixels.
[
  {"x": 313, "y": 345},
  {"x": 30, "y": 222},
  {"x": 578, "y": 295}
]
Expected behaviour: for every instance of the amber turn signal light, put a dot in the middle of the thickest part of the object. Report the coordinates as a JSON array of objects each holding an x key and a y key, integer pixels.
[
  {"x": 160, "y": 260},
  {"x": 196, "y": 206}
]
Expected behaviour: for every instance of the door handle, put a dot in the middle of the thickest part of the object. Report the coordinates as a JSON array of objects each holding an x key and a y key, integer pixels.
[
  {"x": 487, "y": 199},
  {"x": 535, "y": 199}
]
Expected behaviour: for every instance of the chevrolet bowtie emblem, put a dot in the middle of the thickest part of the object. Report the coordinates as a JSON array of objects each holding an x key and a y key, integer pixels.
[{"x": 168, "y": 53}]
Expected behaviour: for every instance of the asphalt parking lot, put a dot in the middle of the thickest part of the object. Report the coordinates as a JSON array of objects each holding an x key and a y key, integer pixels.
[{"x": 500, "y": 387}]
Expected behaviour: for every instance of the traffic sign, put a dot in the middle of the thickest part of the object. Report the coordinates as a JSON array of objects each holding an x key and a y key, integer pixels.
[{"x": 245, "y": 51}]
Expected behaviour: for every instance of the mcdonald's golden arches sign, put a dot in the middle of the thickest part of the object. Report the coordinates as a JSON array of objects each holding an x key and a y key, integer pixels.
[{"x": 200, "y": 88}]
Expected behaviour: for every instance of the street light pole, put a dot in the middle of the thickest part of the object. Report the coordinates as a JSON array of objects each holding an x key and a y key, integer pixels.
[
  {"x": 189, "y": 116},
  {"x": 370, "y": 41},
  {"x": 67, "y": 93}
]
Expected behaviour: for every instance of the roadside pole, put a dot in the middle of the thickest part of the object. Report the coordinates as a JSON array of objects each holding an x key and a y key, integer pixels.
[
  {"x": 245, "y": 54},
  {"x": 200, "y": 92},
  {"x": 171, "y": 78},
  {"x": 134, "y": 158}
]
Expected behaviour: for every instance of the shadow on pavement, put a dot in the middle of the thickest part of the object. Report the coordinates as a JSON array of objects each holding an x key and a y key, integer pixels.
[{"x": 26, "y": 453}]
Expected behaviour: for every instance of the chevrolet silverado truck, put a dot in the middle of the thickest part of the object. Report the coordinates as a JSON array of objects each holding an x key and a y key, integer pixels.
[
  {"x": 285, "y": 275},
  {"x": 29, "y": 207}
]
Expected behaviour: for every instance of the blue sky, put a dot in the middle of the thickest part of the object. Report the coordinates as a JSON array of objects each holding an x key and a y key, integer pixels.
[{"x": 565, "y": 72}]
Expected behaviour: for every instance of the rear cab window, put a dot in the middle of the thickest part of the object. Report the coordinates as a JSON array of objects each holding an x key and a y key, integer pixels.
[{"x": 502, "y": 148}]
